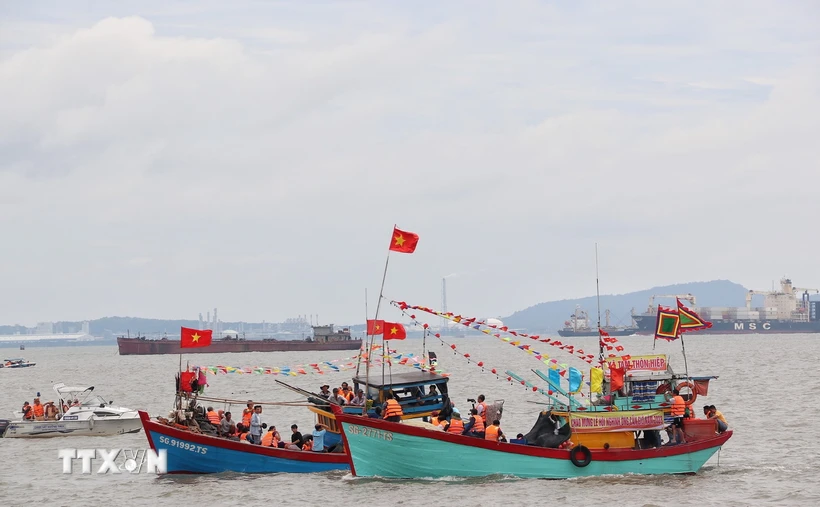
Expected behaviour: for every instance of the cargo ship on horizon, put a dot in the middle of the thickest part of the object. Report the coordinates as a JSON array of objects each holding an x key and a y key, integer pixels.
[
  {"x": 578, "y": 325},
  {"x": 324, "y": 338},
  {"x": 788, "y": 310}
]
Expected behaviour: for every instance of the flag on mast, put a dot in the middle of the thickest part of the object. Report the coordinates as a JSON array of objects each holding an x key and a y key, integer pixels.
[
  {"x": 667, "y": 326},
  {"x": 375, "y": 327},
  {"x": 403, "y": 241},
  {"x": 691, "y": 321},
  {"x": 192, "y": 338},
  {"x": 394, "y": 331}
]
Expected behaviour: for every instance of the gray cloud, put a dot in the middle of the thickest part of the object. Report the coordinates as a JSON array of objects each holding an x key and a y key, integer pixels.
[{"x": 196, "y": 156}]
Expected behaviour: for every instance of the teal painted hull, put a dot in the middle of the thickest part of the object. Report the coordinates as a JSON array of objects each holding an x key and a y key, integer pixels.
[{"x": 388, "y": 450}]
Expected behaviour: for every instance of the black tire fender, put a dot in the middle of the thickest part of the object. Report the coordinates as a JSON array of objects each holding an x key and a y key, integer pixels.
[{"x": 580, "y": 456}]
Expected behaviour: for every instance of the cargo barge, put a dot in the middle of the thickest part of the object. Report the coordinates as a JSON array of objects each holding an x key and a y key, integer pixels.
[
  {"x": 788, "y": 310},
  {"x": 324, "y": 338}
]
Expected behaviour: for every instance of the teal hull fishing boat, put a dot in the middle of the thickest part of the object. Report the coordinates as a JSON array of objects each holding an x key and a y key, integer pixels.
[{"x": 383, "y": 449}]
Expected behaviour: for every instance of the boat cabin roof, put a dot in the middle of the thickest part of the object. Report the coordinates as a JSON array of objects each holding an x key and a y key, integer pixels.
[
  {"x": 396, "y": 380},
  {"x": 64, "y": 389}
]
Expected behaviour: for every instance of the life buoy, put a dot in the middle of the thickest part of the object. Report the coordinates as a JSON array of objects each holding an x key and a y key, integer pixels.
[
  {"x": 691, "y": 387},
  {"x": 580, "y": 456}
]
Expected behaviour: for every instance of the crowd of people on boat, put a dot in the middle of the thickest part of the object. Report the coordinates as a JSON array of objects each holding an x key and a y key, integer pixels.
[
  {"x": 47, "y": 411},
  {"x": 252, "y": 430}
]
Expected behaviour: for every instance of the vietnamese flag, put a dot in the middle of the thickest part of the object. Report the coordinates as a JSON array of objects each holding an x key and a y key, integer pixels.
[
  {"x": 404, "y": 242},
  {"x": 375, "y": 327},
  {"x": 394, "y": 331},
  {"x": 191, "y": 338}
]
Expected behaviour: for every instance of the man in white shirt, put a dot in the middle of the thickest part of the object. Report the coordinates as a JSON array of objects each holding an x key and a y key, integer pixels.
[{"x": 255, "y": 436}]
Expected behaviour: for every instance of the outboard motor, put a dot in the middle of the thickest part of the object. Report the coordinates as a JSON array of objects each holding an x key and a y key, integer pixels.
[{"x": 4, "y": 423}]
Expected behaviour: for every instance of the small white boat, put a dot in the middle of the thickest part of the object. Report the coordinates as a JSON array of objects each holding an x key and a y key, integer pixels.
[
  {"x": 16, "y": 363},
  {"x": 79, "y": 412}
]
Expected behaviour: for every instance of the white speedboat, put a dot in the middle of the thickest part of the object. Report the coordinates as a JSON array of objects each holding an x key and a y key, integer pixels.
[
  {"x": 79, "y": 412},
  {"x": 16, "y": 363}
]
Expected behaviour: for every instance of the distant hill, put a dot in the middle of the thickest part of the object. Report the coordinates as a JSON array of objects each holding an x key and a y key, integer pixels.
[{"x": 550, "y": 316}]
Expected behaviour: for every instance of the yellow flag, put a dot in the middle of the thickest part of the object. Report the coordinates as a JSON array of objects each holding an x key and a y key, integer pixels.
[{"x": 596, "y": 380}]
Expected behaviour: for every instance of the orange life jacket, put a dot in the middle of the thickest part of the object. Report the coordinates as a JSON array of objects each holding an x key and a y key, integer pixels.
[
  {"x": 482, "y": 412},
  {"x": 213, "y": 417},
  {"x": 347, "y": 395},
  {"x": 267, "y": 439},
  {"x": 27, "y": 412},
  {"x": 478, "y": 425},
  {"x": 456, "y": 426},
  {"x": 38, "y": 410},
  {"x": 434, "y": 421},
  {"x": 491, "y": 433},
  {"x": 243, "y": 436},
  {"x": 393, "y": 409},
  {"x": 246, "y": 417},
  {"x": 678, "y": 406},
  {"x": 307, "y": 446}
]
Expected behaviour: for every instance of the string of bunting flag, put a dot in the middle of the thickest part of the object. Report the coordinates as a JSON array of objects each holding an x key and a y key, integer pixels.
[
  {"x": 609, "y": 343},
  {"x": 324, "y": 367},
  {"x": 510, "y": 376}
]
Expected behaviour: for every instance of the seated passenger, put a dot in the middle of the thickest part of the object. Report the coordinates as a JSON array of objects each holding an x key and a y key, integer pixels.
[
  {"x": 359, "y": 400},
  {"x": 475, "y": 427},
  {"x": 493, "y": 432},
  {"x": 519, "y": 439}
]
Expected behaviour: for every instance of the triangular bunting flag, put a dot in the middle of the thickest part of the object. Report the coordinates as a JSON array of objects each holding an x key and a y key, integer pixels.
[{"x": 689, "y": 320}]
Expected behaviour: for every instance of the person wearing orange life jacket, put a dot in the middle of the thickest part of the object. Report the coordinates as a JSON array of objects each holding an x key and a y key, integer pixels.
[
  {"x": 677, "y": 412},
  {"x": 456, "y": 425},
  {"x": 242, "y": 432},
  {"x": 27, "y": 413},
  {"x": 434, "y": 420},
  {"x": 38, "y": 410},
  {"x": 481, "y": 406},
  {"x": 271, "y": 438},
  {"x": 475, "y": 427},
  {"x": 247, "y": 413},
  {"x": 392, "y": 410},
  {"x": 213, "y": 417},
  {"x": 493, "y": 432}
]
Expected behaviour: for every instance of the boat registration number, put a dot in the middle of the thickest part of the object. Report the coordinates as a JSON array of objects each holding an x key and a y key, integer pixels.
[
  {"x": 370, "y": 432},
  {"x": 70, "y": 417},
  {"x": 183, "y": 445}
]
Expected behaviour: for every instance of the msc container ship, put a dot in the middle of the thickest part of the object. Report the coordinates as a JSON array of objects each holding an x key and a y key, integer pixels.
[
  {"x": 788, "y": 310},
  {"x": 324, "y": 338}
]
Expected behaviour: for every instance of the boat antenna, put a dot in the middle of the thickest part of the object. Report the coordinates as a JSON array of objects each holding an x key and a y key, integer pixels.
[{"x": 598, "y": 298}]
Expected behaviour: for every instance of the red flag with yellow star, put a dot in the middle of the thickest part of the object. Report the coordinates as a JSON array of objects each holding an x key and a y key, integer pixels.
[
  {"x": 394, "y": 331},
  {"x": 192, "y": 338},
  {"x": 403, "y": 241},
  {"x": 375, "y": 327}
]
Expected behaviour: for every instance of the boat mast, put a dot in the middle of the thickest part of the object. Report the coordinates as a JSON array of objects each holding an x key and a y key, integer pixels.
[{"x": 598, "y": 297}]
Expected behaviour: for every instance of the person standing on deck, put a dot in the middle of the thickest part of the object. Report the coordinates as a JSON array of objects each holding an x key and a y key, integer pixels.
[
  {"x": 392, "y": 410},
  {"x": 247, "y": 413},
  {"x": 481, "y": 407},
  {"x": 255, "y": 436}
]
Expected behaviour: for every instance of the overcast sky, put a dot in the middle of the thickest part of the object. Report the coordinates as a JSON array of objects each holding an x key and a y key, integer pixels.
[{"x": 161, "y": 158}]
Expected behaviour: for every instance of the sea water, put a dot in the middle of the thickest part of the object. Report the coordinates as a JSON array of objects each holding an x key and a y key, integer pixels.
[{"x": 767, "y": 390}]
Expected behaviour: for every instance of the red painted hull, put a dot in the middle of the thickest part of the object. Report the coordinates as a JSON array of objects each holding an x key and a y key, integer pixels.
[{"x": 138, "y": 346}]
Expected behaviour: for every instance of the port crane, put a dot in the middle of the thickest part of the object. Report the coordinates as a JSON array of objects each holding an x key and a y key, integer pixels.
[{"x": 685, "y": 297}]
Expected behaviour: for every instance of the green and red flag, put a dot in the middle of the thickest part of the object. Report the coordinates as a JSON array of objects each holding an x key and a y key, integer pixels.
[
  {"x": 691, "y": 321},
  {"x": 668, "y": 324}
]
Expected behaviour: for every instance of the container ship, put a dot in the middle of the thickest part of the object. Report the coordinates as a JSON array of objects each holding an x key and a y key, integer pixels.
[
  {"x": 324, "y": 338},
  {"x": 788, "y": 310},
  {"x": 578, "y": 325}
]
